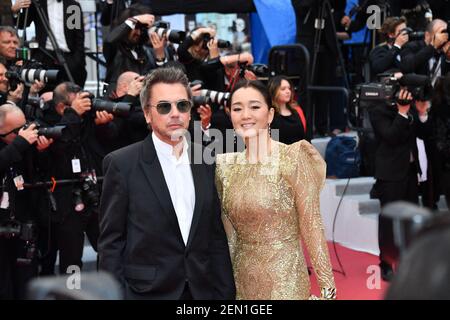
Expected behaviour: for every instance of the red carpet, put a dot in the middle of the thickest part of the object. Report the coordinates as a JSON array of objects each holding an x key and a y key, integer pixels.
[{"x": 359, "y": 282}]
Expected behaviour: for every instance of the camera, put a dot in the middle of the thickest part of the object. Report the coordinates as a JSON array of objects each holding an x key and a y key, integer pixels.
[
  {"x": 206, "y": 37},
  {"x": 29, "y": 72},
  {"x": 259, "y": 69},
  {"x": 87, "y": 192},
  {"x": 413, "y": 35},
  {"x": 120, "y": 109},
  {"x": 27, "y": 232},
  {"x": 211, "y": 97},
  {"x": 54, "y": 132},
  {"x": 162, "y": 29},
  {"x": 388, "y": 90}
]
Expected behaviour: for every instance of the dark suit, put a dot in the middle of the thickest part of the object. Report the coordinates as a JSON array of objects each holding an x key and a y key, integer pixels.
[
  {"x": 395, "y": 173},
  {"x": 74, "y": 37},
  {"x": 383, "y": 58},
  {"x": 140, "y": 241},
  {"x": 415, "y": 56}
]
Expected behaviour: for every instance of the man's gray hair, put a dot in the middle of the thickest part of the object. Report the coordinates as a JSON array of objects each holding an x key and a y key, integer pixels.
[
  {"x": 9, "y": 29},
  {"x": 162, "y": 75},
  {"x": 6, "y": 109}
]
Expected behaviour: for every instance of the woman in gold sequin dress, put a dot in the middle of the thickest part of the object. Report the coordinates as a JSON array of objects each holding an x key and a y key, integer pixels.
[{"x": 270, "y": 202}]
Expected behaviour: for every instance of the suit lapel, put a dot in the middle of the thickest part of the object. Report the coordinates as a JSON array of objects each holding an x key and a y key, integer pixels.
[
  {"x": 199, "y": 176},
  {"x": 152, "y": 169}
]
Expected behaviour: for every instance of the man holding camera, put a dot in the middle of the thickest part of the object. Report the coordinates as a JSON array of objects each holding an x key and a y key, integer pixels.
[
  {"x": 431, "y": 56},
  {"x": 397, "y": 159},
  {"x": 77, "y": 156},
  {"x": 386, "y": 56},
  {"x": 126, "y": 45},
  {"x": 18, "y": 214}
]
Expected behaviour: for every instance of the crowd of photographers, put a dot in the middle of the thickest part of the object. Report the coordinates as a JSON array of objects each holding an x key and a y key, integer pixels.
[{"x": 53, "y": 135}]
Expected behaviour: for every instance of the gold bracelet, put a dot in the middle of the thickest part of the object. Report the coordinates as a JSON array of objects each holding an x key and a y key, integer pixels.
[{"x": 328, "y": 293}]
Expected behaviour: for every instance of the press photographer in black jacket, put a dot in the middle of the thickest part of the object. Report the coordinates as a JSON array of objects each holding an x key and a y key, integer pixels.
[
  {"x": 76, "y": 155},
  {"x": 397, "y": 162},
  {"x": 386, "y": 56},
  {"x": 441, "y": 125},
  {"x": 431, "y": 56},
  {"x": 199, "y": 53},
  {"x": 19, "y": 164}
]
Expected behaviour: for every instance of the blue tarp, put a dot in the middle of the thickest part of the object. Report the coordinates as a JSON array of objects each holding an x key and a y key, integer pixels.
[{"x": 275, "y": 24}]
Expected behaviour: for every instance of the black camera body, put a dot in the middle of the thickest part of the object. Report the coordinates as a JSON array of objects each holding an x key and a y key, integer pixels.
[
  {"x": 86, "y": 193},
  {"x": 414, "y": 35},
  {"x": 25, "y": 231},
  {"x": 206, "y": 37},
  {"x": 259, "y": 69},
  {"x": 119, "y": 109},
  {"x": 162, "y": 29},
  {"x": 388, "y": 90}
]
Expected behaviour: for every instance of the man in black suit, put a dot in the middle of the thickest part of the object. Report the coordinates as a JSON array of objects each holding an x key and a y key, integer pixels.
[
  {"x": 431, "y": 56},
  {"x": 161, "y": 233},
  {"x": 386, "y": 56},
  {"x": 66, "y": 22},
  {"x": 396, "y": 162}
]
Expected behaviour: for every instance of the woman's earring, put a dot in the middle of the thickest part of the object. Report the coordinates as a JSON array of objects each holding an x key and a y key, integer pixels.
[
  {"x": 234, "y": 135},
  {"x": 270, "y": 131}
]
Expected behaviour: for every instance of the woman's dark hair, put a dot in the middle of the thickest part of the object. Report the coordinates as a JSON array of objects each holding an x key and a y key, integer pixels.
[
  {"x": 254, "y": 84},
  {"x": 389, "y": 25},
  {"x": 441, "y": 94},
  {"x": 274, "y": 85}
]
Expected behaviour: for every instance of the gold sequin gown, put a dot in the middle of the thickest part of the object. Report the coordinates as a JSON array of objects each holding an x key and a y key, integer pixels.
[{"x": 267, "y": 208}]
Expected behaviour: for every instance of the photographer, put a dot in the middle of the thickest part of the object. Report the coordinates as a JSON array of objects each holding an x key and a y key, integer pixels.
[
  {"x": 431, "y": 56},
  {"x": 69, "y": 39},
  {"x": 18, "y": 163},
  {"x": 397, "y": 158},
  {"x": 9, "y": 42},
  {"x": 441, "y": 125},
  {"x": 77, "y": 155},
  {"x": 200, "y": 54},
  {"x": 134, "y": 127},
  {"x": 124, "y": 45},
  {"x": 386, "y": 56}
]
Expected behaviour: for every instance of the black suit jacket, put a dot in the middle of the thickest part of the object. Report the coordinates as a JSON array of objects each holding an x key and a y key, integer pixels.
[
  {"x": 140, "y": 240},
  {"x": 415, "y": 56},
  {"x": 382, "y": 58},
  {"x": 396, "y": 138}
]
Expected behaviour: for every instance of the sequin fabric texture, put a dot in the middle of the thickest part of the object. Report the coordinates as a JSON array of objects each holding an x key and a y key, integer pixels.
[{"x": 267, "y": 209}]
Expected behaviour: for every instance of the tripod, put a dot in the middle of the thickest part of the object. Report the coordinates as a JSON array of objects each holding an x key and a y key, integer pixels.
[
  {"x": 325, "y": 11},
  {"x": 59, "y": 56}
]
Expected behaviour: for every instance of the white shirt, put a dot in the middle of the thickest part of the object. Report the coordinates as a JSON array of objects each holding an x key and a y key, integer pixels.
[
  {"x": 179, "y": 180},
  {"x": 55, "y": 12}
]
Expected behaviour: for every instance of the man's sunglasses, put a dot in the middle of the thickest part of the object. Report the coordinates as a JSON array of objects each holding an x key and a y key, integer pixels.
[
  {"x": 164, "y": 107},
  {"x": 16, "y": 131}
]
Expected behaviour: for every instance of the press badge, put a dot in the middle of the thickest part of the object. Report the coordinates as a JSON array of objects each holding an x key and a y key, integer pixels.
[
  {"x": 76, "y": 166},
  {"x": 4, "y": 203},
  {"x": 18, "y": 182}
]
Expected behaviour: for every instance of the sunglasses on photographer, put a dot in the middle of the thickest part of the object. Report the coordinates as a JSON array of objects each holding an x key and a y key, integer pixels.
[
  {"x": 16, "y": 130},
  {"x": 164, "y": 107}
]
